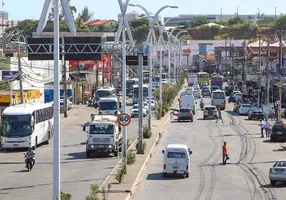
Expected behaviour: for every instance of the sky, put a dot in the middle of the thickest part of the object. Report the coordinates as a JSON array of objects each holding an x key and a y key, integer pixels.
[{"x": 109, "y": 9}]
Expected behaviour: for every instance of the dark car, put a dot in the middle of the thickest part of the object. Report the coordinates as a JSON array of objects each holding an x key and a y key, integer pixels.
[
  {"x": 228, "y": 90},
  {"x": 256, "y": 113},
  {"x": 215, "y": 87},
  {"x": 231, "y": 98},
  {"x": 278, "y": 133},
  {"x": 185, "y": 114}
]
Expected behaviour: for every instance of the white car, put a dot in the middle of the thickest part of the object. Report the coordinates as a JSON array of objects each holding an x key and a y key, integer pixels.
[
  {"x": 147, "y": 98},
  {"x": 135, "y": 111},
  {"x": 69, "y": 103},
  {"x": 196, "y": 87},
  {"x": 197, "y": 93},
  {"x": 244, "y": 109},
  {"x": 153, "y": 104},
  {"x": 146, "y": 106}
]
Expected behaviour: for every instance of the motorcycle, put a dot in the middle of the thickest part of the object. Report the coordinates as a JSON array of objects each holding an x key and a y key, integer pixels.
[{"x": 29, "y": 162}]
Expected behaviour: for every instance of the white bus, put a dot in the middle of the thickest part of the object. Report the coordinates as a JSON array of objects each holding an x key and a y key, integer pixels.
[
  {"x": 27, "y": 125},
  {"x": 218, "y": 99},
  {"x": 136, "y": 93}
]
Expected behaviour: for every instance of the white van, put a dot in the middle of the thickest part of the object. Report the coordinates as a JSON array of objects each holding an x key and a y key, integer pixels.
[
  {"x": 219, "y": 99},
  {"x": 188, "y": 101},
  {"x": 177, "y": 159}
]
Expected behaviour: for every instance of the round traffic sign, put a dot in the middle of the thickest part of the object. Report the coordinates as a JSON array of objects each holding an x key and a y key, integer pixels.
[{"x": 124, "y": 119}]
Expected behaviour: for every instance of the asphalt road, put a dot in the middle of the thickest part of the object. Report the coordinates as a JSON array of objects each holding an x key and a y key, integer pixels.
[
  {"x": 77, "y": 172},
  {"x": 244, "y": 177}
]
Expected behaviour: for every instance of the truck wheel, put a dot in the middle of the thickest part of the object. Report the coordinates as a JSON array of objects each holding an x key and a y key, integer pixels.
[
  {"x": 164, "y": 174},
  {"x": 88, "y": 154},
  {"x": 187, "y": 175},
  {"x": 115, "y": 153}
]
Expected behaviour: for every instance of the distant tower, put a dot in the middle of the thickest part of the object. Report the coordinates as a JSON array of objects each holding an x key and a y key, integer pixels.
[{"x": 3, "y": 3}]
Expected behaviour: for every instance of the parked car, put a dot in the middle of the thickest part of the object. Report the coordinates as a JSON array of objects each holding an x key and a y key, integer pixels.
[
  {"x": 210, "y": 111},
  {"x": 135, "y": 111},
  {"x": 206, "y": 92},
  {"x": 69, "y": 103},
  {"x": 278, "y": 132},
  {"x": 255, "y": 113},
  {"x": 185, "y": 114},
  {"x": 244, "y": 109},
  {"x": 277, "y": 173}
]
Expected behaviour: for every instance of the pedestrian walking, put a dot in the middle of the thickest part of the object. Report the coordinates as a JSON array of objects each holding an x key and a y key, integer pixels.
[
  {"x": 219, "y": 115},
  {"x": 267, "y": 127},
  {"x": 261, "y": 125},
  {"x": 225, "y": 156}
]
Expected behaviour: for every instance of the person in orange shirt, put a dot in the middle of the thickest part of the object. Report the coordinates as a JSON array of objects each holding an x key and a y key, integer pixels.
[{"x": 224, "y": 153}]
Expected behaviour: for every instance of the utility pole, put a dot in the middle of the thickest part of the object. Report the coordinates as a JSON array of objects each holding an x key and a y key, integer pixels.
[
  {"x": 103, "y": 72},
  {"x": 279, "y": 71},
  {"x": 267, "y": 71},
  {"x": 140, "y": 96},
  {"x": 150, "y": 80},
  {"x": 20, "y": 74},
  {"x": 160, "y": 72},
  {"x": 244, "y": 63},
  {"x": 65, "y": 79},
  {"x": 96, "y": 74}
]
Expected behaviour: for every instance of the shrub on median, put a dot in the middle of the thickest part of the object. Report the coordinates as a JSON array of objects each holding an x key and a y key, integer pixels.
[
  {"x": 147, "y": 133},
  {"x": 131, "y": 157},
  {"x": 120, "y": 173},
  {"x": 144, "y": 146},
  {"x": 66, "y": 196}
]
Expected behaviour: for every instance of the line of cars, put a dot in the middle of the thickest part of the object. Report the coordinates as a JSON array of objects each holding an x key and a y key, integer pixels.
[{"x": 135, "y": 108}]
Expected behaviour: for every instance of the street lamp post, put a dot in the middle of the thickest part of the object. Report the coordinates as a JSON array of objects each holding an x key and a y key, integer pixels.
[{"x": 150, "y": 38}]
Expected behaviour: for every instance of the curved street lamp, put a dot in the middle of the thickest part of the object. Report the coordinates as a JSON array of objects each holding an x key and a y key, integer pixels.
[{"x": 150, "y": 38}]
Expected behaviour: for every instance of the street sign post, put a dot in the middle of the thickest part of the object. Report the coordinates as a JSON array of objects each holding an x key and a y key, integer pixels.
[{"x": 124, "y": 119}]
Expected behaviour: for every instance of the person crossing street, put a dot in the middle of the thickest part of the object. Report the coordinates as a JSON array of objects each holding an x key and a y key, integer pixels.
[{"x": 219, "y": 115}]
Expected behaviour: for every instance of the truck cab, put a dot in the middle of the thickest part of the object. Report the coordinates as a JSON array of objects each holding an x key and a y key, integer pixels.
[
  {"x": 108, "y": 105},
  {"x": 176, "y": 160},
  {"x": 103, "y": 135}
]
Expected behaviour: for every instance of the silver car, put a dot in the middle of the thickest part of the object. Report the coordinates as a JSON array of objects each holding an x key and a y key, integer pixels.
[
  {"x": 207, "y": 92},
  {"x": 277, "y": 173}
]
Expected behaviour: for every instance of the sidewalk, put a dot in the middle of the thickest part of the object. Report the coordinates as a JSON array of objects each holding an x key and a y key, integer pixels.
[
  {"x": 74, "y": 112},
  {"x": 125, "y": 189}
]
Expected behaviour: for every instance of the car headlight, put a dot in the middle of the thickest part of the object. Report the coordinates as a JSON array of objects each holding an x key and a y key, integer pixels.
[
  {"x": 91, "y": 146},
  {"x": 3, "y": 140},
  {"x": 28, "y": 139},
  {"x": 109, "y": 146}
]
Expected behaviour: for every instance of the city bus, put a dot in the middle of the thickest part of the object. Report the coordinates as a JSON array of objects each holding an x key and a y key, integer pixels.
[
  {"x": 130, "y": 83},
  {"x": 135, "y": 96},
  {"x": 219, "y": 99},
  {"x": 203, "y": 76},
  {"x": 217, "y": 81},
  {"x": 27, "y": 125}
]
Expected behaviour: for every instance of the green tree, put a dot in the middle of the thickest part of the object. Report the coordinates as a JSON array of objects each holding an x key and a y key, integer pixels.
[
  {"x": 61, "y": 15},
  {"x": 236, "y": 20},
  {"x": 280, "y": 22},
  {"x": 266, "y": 22},
  {"x": 28, "y": 26},
  {"x": 185, "y": 24},
  {"x": 198, "y": 21},
  {"x": 85, "y": 14},
  {"x": 136, "y": 23}
]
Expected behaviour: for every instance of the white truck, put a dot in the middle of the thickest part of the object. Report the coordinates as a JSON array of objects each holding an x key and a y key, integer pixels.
[
  {"x": 192, "y": 79},
  {"x": 108, "y": 105},
  {"x": 188, "y": 101},
  {"x": 103, "y": 135}
]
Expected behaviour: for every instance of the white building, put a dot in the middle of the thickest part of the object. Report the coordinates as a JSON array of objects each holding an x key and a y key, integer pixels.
[{"x": 34, "y": 75}]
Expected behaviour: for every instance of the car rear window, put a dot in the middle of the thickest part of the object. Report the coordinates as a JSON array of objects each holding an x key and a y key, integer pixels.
[
  {"x": 184, "y": 110},
  {"x": 246, "y": 106},
  {"x": 180, "y": 155},
  {"x": 280, "y": 164},
  {"x": 210, "y": 108},
  {"x": 278, "y": 128}
]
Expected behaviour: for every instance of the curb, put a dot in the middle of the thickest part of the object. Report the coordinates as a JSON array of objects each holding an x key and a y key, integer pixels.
[{"x": 140, "y": 172}]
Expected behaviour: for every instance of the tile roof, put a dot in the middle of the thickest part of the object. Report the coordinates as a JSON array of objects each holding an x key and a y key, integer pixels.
[
  {"x": 99, "y": 22},
  {"x": 90, "y": 21}
]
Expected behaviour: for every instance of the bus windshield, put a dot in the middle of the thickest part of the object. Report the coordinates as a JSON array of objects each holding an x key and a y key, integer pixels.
[
  {"x": 203, "y": 76},
  {"x": 108, "y": 106},
  {"x": 218, "y": 95},
  {"x": 101, "y": 129},
  {"x": 103, "y": 93},
  {"x": 16, "y": 126},
  {"x": 136, "y": 91},
  {"x": 129, "y": 84}
]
